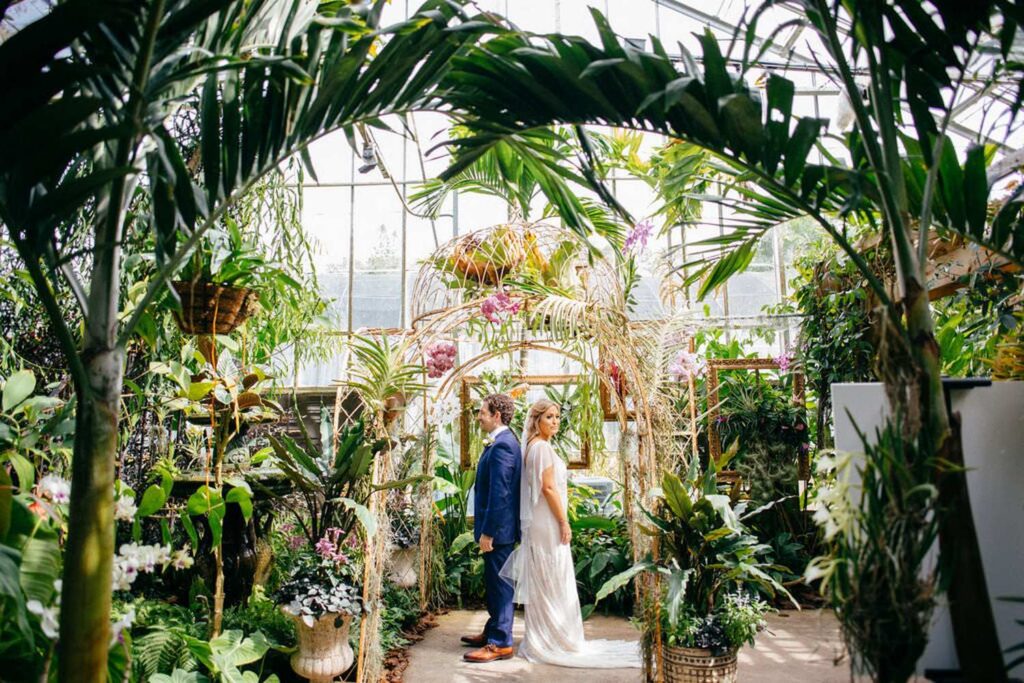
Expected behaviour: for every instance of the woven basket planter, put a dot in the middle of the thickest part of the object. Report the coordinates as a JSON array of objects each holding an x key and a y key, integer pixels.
[
  {"x": 207, "y": 308},
  {"x": 696, "y": 665}
]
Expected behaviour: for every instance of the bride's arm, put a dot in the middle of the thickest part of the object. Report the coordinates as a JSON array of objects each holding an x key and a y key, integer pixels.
[{"x": 550, "y": 490}]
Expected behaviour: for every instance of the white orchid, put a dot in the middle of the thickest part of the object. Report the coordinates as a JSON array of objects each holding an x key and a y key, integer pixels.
[
  {"x": 125, "y": 509},
  {"x": 55, "y": 488}
]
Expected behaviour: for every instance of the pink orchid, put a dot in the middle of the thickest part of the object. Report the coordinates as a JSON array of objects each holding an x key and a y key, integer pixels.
[{"x": 638, "y": 235}]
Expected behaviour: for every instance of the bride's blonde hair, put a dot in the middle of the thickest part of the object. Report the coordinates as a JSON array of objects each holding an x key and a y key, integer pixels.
[{"x": 537, "y": 410}]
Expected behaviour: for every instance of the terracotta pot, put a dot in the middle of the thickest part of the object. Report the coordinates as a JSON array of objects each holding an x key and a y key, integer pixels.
[
  {"x": 323, "y": 652},
  {"x": 207, "y": 308},
  {"x": 698, "y": 665},
  {"x": 403, "y": 566}
]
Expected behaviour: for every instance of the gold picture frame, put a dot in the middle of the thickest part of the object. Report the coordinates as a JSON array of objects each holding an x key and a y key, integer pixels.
[
  {"x": 466, "y": 412},
  {"x": 716, "y": 365}
]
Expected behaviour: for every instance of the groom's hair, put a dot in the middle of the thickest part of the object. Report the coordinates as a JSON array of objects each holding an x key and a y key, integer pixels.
[{"x": 501, "y": 404}]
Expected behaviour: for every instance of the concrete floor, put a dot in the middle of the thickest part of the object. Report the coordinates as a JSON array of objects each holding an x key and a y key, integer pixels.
[{"x": 798, "y": 646}]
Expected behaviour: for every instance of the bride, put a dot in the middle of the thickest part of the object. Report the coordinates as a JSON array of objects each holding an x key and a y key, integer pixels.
[{"x": 542, "y": 570}]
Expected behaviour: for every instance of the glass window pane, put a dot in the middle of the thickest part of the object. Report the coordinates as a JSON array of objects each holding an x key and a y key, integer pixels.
[
  {"x": 377, "y": 281},
  {"x": 332, "y": 159},
  {"x": 325, "y": 217}
]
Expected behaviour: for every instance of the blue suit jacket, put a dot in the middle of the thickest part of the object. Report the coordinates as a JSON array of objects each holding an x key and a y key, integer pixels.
[{"x": 496, "y": 497}]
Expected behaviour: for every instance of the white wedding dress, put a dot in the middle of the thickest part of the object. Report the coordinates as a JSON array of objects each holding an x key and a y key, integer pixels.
[{"x": 542, "y": 571}]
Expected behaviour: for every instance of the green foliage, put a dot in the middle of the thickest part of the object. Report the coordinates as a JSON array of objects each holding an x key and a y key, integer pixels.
[
  {"x": 401, "y": 611},
  {"x": 381, "y": 372},
  {"x": 224, "y": 655},
  {"x": 35, "y": 431},
  {"x": 971, "y": 323},
  {"x": 771, "y": 434},
  {"x": 94, "y": 122},
  {"x": 878, "y": 535},
  {"x": 332, "y": 481},
  {"x": 582, "y": 416},
  {"x": 707, "y": 550},
  {"x": 159, "y": 646},
  {"x": 762, "y": 416},
  {"x": 836, "y": 335},
  {"x": 457, "y": 573},
  {"x": 261, "y": 614},
  {"x": 601, "y": 548},
  {"x": 734, "y": 625}
]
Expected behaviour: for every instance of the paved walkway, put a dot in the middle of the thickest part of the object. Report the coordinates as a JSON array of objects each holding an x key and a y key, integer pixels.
[{"x": 798, "y": 646}]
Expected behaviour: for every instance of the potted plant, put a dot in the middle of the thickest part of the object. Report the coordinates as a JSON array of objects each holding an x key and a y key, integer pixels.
[
  {"x": 219, "y": 286},
  {"x": 713, "y": 568},
  {"x": 322, "y": 596},
  {"x": 487, "y": 256},
  {"x": 383, "y": 377},
  {"x": 334, "y": 487}
]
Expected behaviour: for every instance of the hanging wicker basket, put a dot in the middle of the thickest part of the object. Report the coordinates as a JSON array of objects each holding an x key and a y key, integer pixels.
[
  {"x": 697, "y": 665},
  {"x": 207, "y": 308},
  {"x": 487, "y": 258}
]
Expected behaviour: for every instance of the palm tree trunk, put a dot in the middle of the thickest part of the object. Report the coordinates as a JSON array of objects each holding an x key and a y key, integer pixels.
[
  {"x": 974, "y": 628},
  {"x": 85, "y": 603}
]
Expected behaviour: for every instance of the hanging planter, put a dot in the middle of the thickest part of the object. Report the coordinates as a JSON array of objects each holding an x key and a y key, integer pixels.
[
  {"x": 394, "y": 406},
  {"x": 323, "y": 651},
  {"x": 698, "y": 665},
  {"x": 208, "y": 308},
  {"x": 487, "y": 258}
]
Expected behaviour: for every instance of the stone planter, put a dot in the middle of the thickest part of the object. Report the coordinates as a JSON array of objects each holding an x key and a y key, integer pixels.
[
  {"x": 697, "y": 665},
  {"x": 323, "y": 651},
  {"x": 403, "y": 566}
]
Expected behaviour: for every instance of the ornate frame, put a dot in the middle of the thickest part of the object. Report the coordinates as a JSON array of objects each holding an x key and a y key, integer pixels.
[
  {"x": 465, "y": 411},
  {"x": 714, "y": 365}
]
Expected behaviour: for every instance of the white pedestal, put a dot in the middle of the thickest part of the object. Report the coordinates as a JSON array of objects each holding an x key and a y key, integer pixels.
[{"x": 993, "y": 444}]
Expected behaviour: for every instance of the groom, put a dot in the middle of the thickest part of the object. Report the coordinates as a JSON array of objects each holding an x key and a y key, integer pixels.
[{"x": 496, "y": 525}]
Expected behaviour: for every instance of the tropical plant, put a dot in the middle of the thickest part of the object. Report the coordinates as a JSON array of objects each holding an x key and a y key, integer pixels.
[
  {"x": 582, "y": 416},
  {"x": 878, "y": 535},
  {"x": 458, "y": 569},
  {"x": 229, "y": 399},
  {"x": 35, "y": 429},
  {"x": 401, "y": 610},
  {"x": 383, "y": 376},
  {"x": 332, "y": 481},
  {"x": 222, "y": 656},
  {"x": 836, "y": 340},
  {"x": 98, "y": 85},
  {"x": 601, "y": 549},
  {"x": 707, "y": 551},
  {"x": 904, "y": 178},
  {"x": 734, "y": 625}
]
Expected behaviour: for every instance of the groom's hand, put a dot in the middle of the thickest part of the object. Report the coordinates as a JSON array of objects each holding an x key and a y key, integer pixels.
[{"x": 486, "y": 544}]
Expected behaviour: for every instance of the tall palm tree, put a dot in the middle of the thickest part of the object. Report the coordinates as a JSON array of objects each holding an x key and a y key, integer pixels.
[
  {"x": 91, "y": 94},
  {"x": 904, "y": 177}
]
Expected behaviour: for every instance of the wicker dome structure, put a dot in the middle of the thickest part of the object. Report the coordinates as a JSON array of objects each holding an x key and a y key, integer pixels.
[{"x": 521, "y": 260}]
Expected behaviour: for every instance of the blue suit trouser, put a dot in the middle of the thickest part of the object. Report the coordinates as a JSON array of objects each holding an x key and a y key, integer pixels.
[{"x": 500, "y": 609}]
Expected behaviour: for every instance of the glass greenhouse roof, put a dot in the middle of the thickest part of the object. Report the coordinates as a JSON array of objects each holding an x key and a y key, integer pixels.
[{"x": 370, "y": 246}]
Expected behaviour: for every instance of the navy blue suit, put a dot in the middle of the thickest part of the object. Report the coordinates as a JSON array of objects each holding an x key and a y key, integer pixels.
[{"x": 496, "y": 514}]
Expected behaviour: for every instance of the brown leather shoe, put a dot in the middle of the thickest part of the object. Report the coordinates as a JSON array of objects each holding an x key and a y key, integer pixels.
[
  {"x": 489, "y": 653},
  {"x": 475, "y": 641}
]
